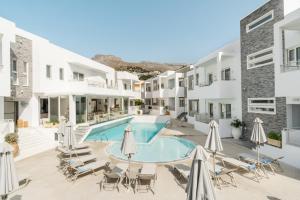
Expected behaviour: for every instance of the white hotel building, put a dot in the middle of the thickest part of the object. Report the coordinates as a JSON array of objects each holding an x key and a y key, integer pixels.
[{"x": 41, "y": 81}]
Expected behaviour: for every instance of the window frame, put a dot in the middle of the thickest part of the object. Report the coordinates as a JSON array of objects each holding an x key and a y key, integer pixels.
[
  {"x": 61, "y": 74},
  {"x": 77, "y": 76},
  {"x": 181, "y": 102},
  {"x": 252, "y": 58},
  {"x": 248, "y": 29},
  {"x": 16, "y": 81},
  {"x": 262, "y": 105},
  {"x": 223, "y": 74},
  {"x": 50, "y": 71}
]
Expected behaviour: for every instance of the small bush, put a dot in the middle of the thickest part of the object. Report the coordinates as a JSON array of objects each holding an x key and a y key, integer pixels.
[
  {"x": 138, "y": 102},
  {"x": 274, "y": 135},
  {"x": 11, "y": 138},
  {"x": 236, "y": 123}
]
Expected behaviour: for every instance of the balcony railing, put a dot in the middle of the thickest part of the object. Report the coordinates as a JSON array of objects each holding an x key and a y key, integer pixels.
[
  {"x": 205, "y": 118},
  {"x": 291, "y": 66},
  {"x": 292, "y": 136}
]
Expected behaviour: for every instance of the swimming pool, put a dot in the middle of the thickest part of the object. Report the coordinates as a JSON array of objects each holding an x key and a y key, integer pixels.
[
  {"x": 162, "y": 149},
  {"x": 143, "y": 132}
]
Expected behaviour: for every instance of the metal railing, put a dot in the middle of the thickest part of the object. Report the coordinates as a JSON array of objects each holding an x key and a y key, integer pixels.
[{"x": 290, "y": 66}]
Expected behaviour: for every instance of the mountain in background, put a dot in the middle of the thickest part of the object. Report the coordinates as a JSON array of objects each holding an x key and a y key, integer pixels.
[{"x": 144, "y": 69}]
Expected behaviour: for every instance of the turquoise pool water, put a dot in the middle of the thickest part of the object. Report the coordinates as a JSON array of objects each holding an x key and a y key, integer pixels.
[
  {"x": 143, "y": 132},
  {"x": 162, "y": 149}
]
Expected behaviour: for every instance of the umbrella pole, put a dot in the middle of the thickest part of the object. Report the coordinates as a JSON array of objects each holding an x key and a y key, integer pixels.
[
  {"x": 129, "y": 156},
  {"x": 214, "y": 164}
]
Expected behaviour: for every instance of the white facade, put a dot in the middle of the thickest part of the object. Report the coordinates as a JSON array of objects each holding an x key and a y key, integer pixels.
[{"x": 214, "y": 89}]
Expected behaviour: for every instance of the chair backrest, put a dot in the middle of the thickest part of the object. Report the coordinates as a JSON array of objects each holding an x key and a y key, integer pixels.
[
  {"x": 112, "y": 175},
  {"x": 145, "y": 176}
]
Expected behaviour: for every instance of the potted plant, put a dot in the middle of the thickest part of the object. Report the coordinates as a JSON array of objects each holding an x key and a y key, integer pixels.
[
  {"x": 166, "y": 109},
  {"x": 274, "y": 139},
  {"x": 236, "y": 128},
  {"x": 12, "y": 139}
]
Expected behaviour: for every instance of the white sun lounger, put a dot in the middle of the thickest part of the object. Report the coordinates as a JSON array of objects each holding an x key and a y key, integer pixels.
[
  {"x": 66, "y": 152},
  {"x": 146, "y": 178},
  {"x": 242, "y": 165},
  {"x": 183, "y": 170},
  {"x": 219, "y": 172},
  {"x": 114, "y": 177},
  {"x": 76, "y": 161},
  {"x": 87, "y": 168}
]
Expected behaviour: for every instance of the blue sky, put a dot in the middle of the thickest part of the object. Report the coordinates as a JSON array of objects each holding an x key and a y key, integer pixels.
[{"x": 178, "y": 31}]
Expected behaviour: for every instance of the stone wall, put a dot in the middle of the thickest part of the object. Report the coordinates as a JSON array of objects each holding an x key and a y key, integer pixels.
[{"x": 260, "y": 82}]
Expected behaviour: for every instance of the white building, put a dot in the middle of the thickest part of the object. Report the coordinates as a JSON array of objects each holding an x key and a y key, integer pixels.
[
  {"x": 214, "y": 89},
  {"x": 42, "y": 81},
  {"x": 165, "y": 93}
]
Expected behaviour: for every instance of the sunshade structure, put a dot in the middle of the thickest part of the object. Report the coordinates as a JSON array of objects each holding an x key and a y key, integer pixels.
[
  {"x": 8, "y": 177},
  {"x": 258, "y": 135},
  {"x": 69, "y": 136},
  {"x": 199, "y": 185},
  {"x": 128, "y": 147},
  {"x": 213, "y": 142}
]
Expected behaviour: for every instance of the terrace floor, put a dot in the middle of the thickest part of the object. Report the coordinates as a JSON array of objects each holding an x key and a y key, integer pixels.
[{"x": 49, "y": 184}]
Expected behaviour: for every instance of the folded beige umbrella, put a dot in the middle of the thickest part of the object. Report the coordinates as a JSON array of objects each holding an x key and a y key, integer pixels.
[{"x": 258, "y": 135}]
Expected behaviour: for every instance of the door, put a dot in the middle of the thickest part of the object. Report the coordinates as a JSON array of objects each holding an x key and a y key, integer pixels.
[
  {"x": 211, "y": 110},
  {"x": 80, "y": 109},
  {"x": 11, "y": 110},
  {"x": 210, "y": 79}
]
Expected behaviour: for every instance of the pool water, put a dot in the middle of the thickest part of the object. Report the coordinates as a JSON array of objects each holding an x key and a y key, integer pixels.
[
  {"x": 143, "y": 132},
  {"x": 162, "y": 149}
]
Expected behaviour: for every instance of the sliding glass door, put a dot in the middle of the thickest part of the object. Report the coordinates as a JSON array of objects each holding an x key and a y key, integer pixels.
[{"x": 81, "y": 114}]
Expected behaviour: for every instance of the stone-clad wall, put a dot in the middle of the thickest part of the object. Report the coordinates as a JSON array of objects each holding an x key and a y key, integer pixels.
[
  {"x": 259, "y": 82},
  {"x": 21, "y": 50}
]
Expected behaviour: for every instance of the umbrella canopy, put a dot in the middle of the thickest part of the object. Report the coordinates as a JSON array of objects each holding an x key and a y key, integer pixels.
[
  {"x": 128, "y": 146},
  {"x": 8, "y": 177},
  {"x": 213, "y": 141},
  {"x": 69, "y": 136},
  {"x": 258, "y": 135},
  {"x": 199, "y": 185}
]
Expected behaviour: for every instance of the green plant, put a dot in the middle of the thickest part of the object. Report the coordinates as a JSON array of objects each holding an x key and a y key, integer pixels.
[
  {"x": 138, "y": 102},
  {"x": 274, "y": 135},
  {"x": 11, "y": 138},
  {"x": 54, "y": 121},
  {"x": 236, "y": 123}
]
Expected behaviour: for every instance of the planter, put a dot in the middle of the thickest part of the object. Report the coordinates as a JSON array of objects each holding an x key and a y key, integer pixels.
[
  {"x": 16, "y": 149},
  {"x": 236, "y": 133},
  {"x": 276, "y": 143}
]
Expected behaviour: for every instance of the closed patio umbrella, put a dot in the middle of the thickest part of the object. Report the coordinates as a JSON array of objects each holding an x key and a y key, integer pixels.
[
  {"x": 258, "y": 135},
  {"x": 213, "y": 141},
  {"x": 8, "y": 177},
  {"x": 128, "y": 147},
  {"x": 69, "y": 136},
  {"x": 199, "y": 185}
]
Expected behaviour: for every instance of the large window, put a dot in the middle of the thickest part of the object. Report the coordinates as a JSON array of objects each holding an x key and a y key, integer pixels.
[
  {"x": 260, "y": 21},
  {"x": 225, "y": 110},
  {"x": 260, "y": 58},
  {"x": 181, "y": 82},
  {"x": 171, "y": 83},
  {"x": 78, "y": 76},
  {"x": 48, "y": 71},
  {"x": 294, "y": 56},
  {"x": 197, "y": 79},
  {"x": 226, "y": 74},
  {"x": 181, "y": 102},
  {"x": 14, "y": 72},
  {"x": 193, "y": 107},
  {"x": 262, "y": 105},
  {"x": 148, "y": 87},
  {"x": 191, "y": 82},
  {"x": 26, "y": 73},
  {"x": 61, "y": 74},
  {"x": 155, "y": 85}
]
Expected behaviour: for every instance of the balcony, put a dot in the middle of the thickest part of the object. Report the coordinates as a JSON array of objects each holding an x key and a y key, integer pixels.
[
  {"x": 292, "y": 136},
  {"x": 291, "y": 66}
]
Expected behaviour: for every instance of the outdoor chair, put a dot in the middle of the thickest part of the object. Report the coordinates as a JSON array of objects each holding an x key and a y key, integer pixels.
[
  {"x": 182, "y": 170},
  {"x": 114, "y": 176},
  {"x": 146, "y": 178},
  {"x": 64, "y": 152},
  {"x": 251, "y": 168},
  {"x": 75, "y": 161},
  {"x": 220, "y": 172}
]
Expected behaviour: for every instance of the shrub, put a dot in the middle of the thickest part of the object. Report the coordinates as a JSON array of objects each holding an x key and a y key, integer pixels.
[
  {"x": 138, "y": 102},
  {"x": 236, "y": 123},
  {"x": 274, "y": 135},
  {"x": 11, "y": 138}
]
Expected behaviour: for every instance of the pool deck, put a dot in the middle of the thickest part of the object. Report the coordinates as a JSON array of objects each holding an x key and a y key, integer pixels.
[{"x": 49, "y": 184}]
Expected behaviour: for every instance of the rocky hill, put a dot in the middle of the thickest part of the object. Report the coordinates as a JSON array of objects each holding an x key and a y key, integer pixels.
[{"x": 143, "y": 69}]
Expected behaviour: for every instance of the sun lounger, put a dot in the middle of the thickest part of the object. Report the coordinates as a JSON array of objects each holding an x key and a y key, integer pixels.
[
  {"x": 146, "y": 178},
  {"x": 242, "y": 165},
  {"x": 182, "y": 170},
  {"x": 66, "y": 152},
  {"x": 76, "y": 161},
  {"x": 87, "y": 168},
  {"x": 221, "y": 171},
  {"x": 263, "y": 161}
]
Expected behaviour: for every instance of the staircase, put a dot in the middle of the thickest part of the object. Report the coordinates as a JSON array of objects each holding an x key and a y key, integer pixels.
[{"x": 35, "y": 140}]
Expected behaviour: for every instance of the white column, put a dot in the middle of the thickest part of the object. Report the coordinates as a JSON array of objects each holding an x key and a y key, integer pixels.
[
  {"x": 131, "y": 85},
  {"x": 219, "y": 67},
  {"x": 58, "y": 99},
  {"x": 72, "y": 109}
]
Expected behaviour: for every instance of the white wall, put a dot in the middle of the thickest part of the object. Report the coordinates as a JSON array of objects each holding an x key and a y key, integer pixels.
[
  {"x": 1, "y": 108},
  {"x": 290, "y": 6}
]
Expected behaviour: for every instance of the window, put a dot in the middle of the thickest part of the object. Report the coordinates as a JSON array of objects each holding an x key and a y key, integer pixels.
[
  {"x": 155, "y": 102},
  {"x": 61, "y": 74},
  {"x": 26, "y": 73},
  {"x": 294, "y": 56},
  {"x": 191, "y": 82},
  {"x": 197, "y": 79},
  {"x": 14, "y": 72},
  {"x": 162, "y": 85},
  {"x": 171, "y": 83},
  {"x": 225, "y": 110},
  {"x": 147, "y": 101},
  {"x": 260, "y": 58},
  {"x": 210, "y": 79},
  {"x": 162, "y": 103},
  {"x": 78, "y": 76},
  {"x": 48, "y": 71},
  {"x": 193, "y": 107},
  {"x": 226, "y": 74},
  {"x": 260, "y": 21},
  {"x": 148, "y": 87},
  {"x": 181, "y": 102},
  {"x": 155, "y": 85},
  {"x": 181, "y": 82},
  {"x": 262, "y": 105},
  {"x": 211, "y": 110}
]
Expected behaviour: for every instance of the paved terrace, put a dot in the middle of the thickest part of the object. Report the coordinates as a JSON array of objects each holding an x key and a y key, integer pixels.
[{"x": 49, "y": 184}]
